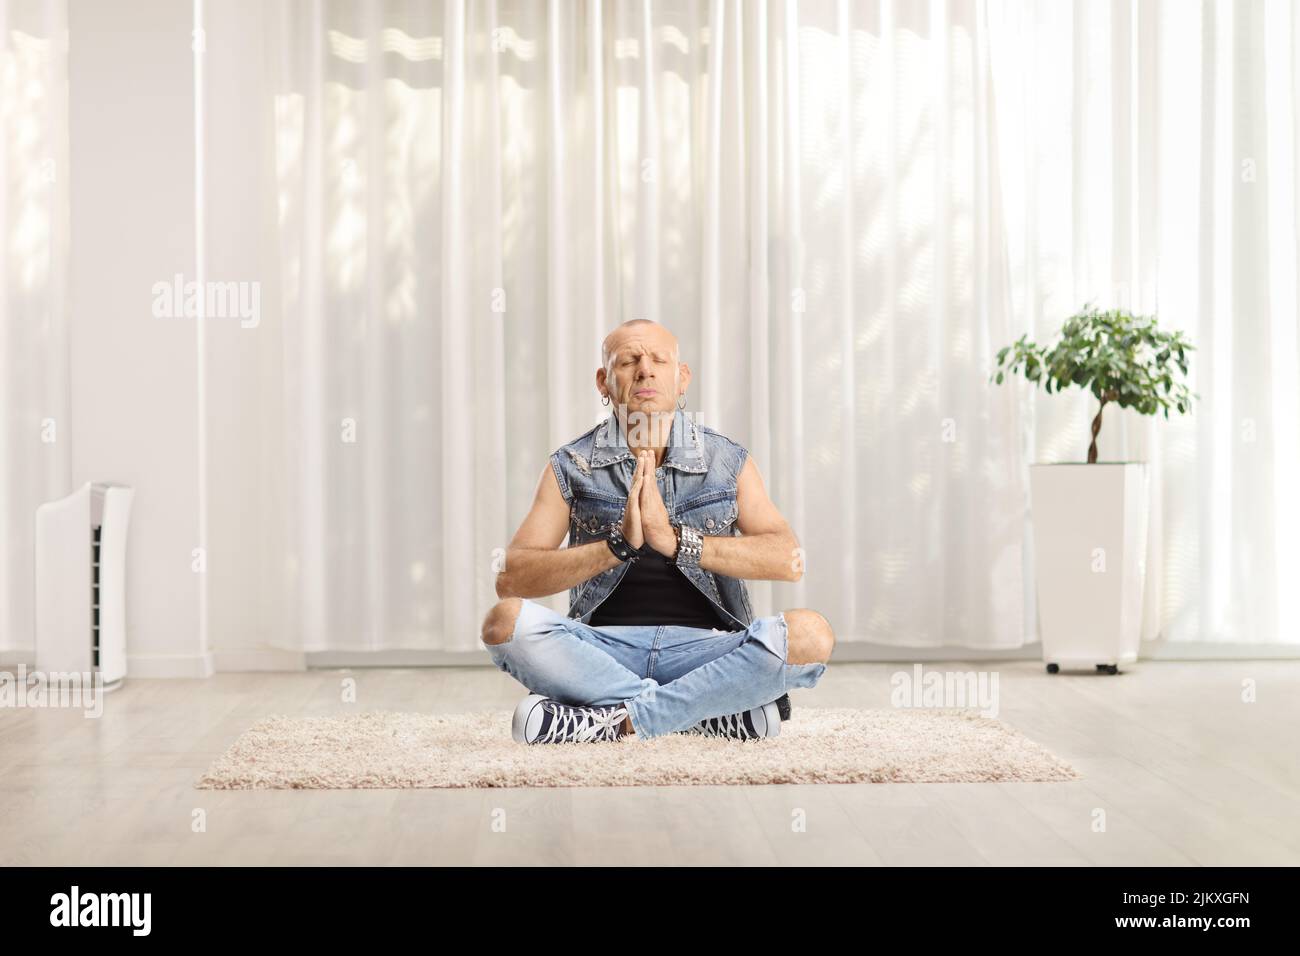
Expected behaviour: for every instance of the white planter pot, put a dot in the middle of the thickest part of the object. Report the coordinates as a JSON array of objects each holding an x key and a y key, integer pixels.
[{"x": 1090, "y": 530}]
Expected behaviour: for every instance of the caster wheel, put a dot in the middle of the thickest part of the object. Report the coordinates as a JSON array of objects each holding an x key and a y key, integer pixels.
[
  {"x": 1053, "y": 668},
  {"x": 1108, "y": 668}
]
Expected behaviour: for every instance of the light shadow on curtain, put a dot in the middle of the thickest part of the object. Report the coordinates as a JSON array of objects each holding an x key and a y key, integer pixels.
[{"x": 842, "y": 209}]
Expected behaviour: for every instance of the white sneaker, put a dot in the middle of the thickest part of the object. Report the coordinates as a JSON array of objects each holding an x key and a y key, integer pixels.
[
  {"x": 543, "y": 720},
  {"x": 764, "y": 721}
]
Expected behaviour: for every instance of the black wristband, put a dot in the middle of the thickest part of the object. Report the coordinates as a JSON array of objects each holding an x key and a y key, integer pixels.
[{"x": 618, "y": 544}]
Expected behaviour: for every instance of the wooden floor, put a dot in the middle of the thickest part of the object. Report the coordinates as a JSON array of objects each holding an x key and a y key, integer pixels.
[{"x": 1183, "y": 770}]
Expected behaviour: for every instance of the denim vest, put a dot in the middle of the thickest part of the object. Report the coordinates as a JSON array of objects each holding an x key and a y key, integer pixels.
[{"x": 697, "y": 481}]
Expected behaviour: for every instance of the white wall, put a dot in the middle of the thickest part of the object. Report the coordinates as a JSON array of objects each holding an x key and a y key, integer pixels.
[{"x": 134, "y": 415}]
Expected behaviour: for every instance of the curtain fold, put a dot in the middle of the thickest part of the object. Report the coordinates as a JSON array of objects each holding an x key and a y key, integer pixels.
[
  {"x": 842, "y": 209},
  {"x": 35, "y": 459}
]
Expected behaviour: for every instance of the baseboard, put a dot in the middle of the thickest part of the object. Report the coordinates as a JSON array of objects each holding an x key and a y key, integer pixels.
[
  {"x": 259, "y": 659},
  {"x": 137, "y": 665},
  {"x": 276, "y": 659},
  {"x": 150, "y": 666},
  {"x": 411, "y": 658},
  {"x": 861, "y": 652},
  {"x": 1188, "y": 651},
  {"x": 845, "y": 652}
]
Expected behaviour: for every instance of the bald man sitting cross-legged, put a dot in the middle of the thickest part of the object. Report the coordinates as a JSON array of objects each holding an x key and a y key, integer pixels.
[{"x": 666, "y": 520}]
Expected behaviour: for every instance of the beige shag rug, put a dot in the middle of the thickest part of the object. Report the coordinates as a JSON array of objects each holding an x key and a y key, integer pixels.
[{"x": 390, "y": 750}]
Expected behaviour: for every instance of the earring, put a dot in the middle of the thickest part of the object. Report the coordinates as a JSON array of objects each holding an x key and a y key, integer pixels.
[
  {"x": 606, "y": 401},
  {"x": 682, "y": 403}
]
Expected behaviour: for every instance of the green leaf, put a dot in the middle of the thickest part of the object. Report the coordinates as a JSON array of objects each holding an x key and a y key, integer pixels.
[{"x": 1116, "y": 355}]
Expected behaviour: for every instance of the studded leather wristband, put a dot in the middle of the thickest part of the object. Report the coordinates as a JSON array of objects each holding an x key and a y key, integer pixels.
[{"x": 618, "y": 544}]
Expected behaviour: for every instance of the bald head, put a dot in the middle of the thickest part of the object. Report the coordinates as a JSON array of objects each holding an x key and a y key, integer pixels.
[
  {"x": 648, "y": 329},
  {"x": 642, "y": 369}
]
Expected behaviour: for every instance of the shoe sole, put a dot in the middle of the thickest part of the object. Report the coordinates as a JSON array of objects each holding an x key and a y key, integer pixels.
[{"x": 519, "y": 725}]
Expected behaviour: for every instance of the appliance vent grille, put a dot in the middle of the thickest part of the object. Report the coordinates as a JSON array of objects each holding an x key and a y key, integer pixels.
[{"x": 94, "y": 596}]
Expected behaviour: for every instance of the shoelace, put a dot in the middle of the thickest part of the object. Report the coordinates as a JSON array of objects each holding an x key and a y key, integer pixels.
[
  {"x": 582, "y": 724},
  {"x": 728, "y": 725}
]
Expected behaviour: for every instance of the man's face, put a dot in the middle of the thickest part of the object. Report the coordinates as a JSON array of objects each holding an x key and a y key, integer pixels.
[{"x": 642, "y": 374}]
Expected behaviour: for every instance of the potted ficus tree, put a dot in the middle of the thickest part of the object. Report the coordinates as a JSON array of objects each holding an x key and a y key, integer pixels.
[{"x": 1090, "y": 518}]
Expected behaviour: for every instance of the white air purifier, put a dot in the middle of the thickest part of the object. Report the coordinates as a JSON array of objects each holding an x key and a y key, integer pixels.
[{"x": 81, "y": 582}]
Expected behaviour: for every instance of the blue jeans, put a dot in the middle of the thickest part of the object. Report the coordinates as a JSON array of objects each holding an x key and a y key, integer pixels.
[{"x": 668, "y": 677}]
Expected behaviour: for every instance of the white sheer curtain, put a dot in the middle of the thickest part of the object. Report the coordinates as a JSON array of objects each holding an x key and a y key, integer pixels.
[
  {"x": 842, "y": 210},
  {"x": 34, "y": 454},
  {"x": 1150, "y": 162},
  {"x": 473, "y": 194}
]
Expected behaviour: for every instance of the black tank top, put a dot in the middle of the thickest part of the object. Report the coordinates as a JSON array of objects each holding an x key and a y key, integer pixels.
[{"x": 654, "y": 591}]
